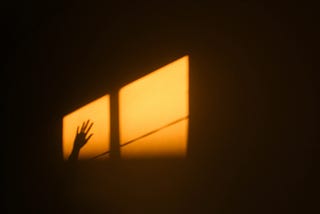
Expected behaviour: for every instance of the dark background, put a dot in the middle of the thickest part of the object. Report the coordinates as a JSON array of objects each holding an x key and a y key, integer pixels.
[{"x": 253, "y": 140}]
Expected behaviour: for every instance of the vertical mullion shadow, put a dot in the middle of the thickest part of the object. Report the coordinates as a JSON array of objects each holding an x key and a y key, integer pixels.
[{"x": 114, "y": 126}]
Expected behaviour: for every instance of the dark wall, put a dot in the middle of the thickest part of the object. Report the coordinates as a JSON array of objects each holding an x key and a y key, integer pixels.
[{"x": 252, "y": 140}]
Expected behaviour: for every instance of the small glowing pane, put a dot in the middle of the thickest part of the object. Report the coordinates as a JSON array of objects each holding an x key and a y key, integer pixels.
[
  {"x": 151, "y": 103},
  {"x": 170, "y": 141},
  {"x": 97, "y": 112}
]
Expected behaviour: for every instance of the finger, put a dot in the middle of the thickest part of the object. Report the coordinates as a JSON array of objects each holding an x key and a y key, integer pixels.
[
  {"x": 82, "y": 126},
  {"x": 89, "y": 128},
  {"x": 89, "y": 137},
  {"x": 85, "y": 126}
]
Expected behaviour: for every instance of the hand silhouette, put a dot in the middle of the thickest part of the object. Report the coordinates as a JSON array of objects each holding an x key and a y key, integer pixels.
[
  {"x": 81, "y": 135},
  {"x": 80, "y": 139}
]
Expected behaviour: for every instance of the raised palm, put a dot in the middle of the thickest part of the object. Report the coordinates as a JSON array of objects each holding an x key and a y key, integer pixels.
[{"x": 81, "y": 135}]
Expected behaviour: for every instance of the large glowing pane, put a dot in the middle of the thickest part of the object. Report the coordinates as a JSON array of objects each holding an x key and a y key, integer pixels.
[
  {"x": 152, "y": 102},
  {"x": 97, "y": 112}
]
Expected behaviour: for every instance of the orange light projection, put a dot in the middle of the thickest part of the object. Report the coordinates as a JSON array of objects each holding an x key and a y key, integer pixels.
[
  {"x": 97, "y": 112},
  {"x": 153, "y": 113}
]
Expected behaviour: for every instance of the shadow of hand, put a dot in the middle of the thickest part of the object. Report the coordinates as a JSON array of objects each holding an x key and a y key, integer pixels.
[
  {"x": 81, "y": 135},
  {"x": 81, "y": 139}
]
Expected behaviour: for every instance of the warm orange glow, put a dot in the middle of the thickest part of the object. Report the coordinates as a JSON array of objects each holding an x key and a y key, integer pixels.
[
  {"x": 97, "y": 112},
  {"x": 150, "y": 103}
]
